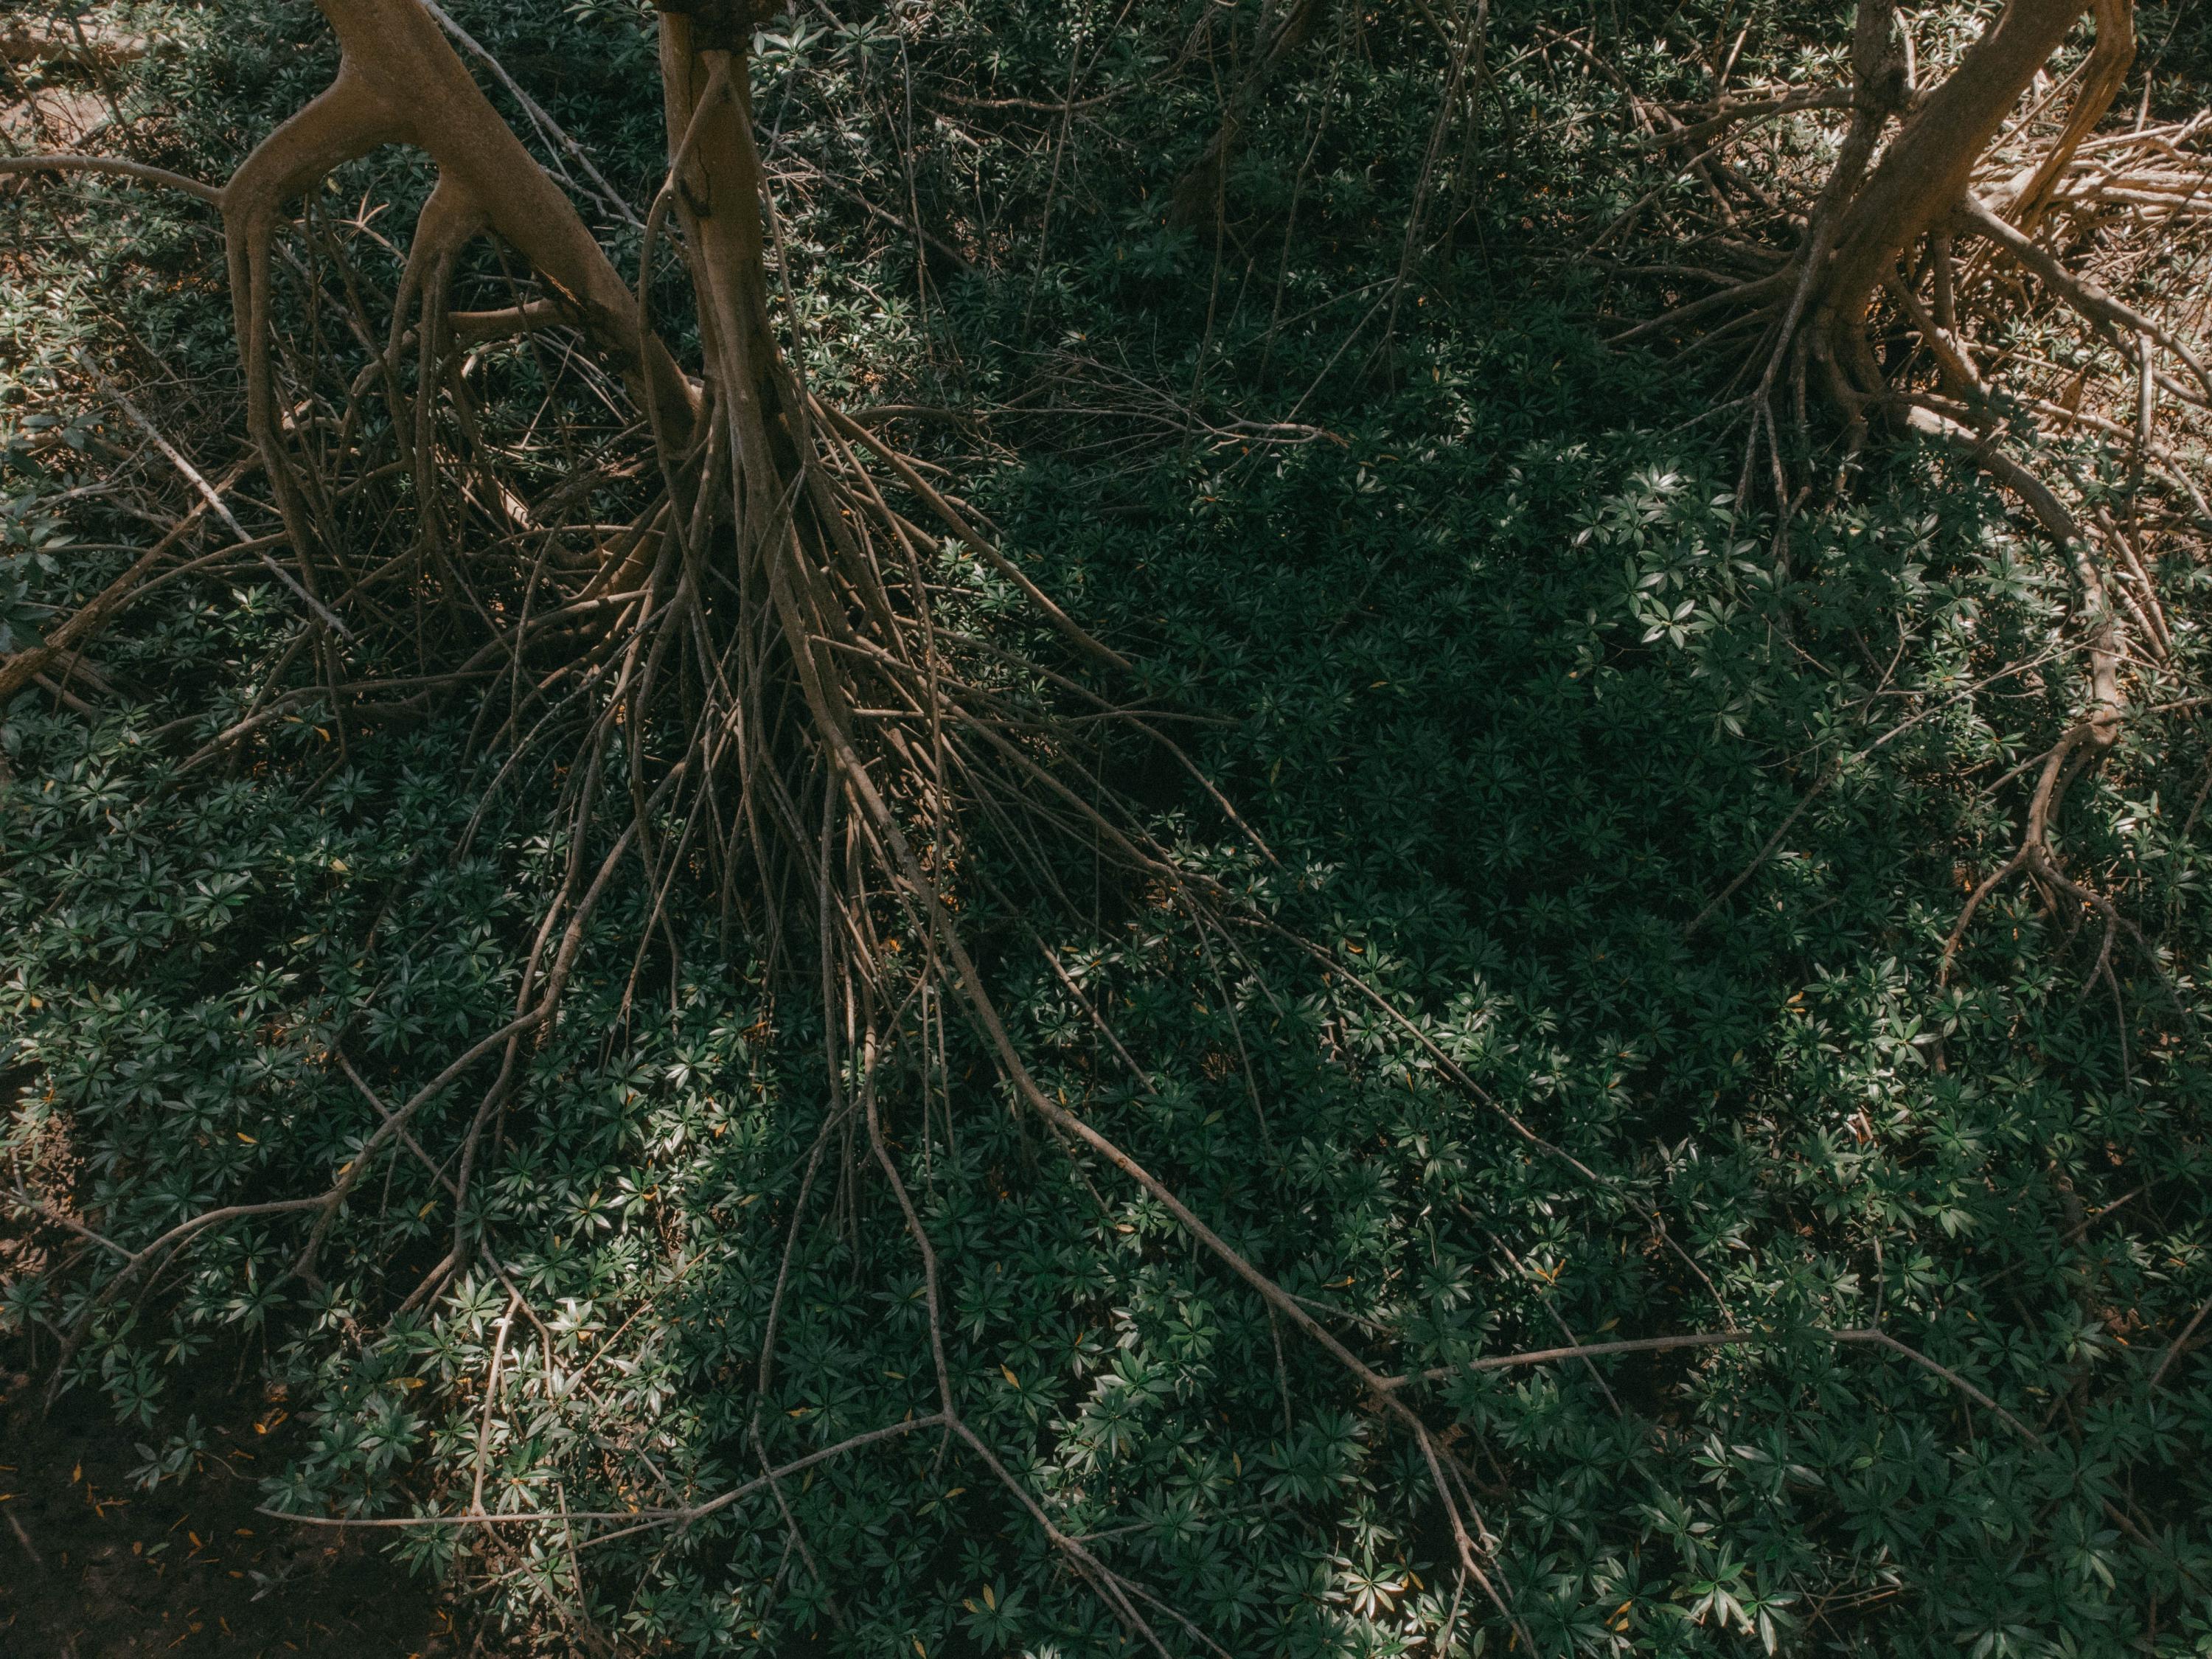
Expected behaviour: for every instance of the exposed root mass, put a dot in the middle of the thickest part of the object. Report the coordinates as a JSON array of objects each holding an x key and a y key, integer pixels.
[
  {"x": 750, "y": 684},
  {"x": 1947, "y": 212}
]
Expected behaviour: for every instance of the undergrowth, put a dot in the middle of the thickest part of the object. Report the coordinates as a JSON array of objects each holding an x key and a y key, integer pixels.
[{"x": 1460, "y": 612}]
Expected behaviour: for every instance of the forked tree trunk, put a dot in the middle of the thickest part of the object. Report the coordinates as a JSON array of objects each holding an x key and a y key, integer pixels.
[
  {"x": 399, "y": 81},
  {"x": 399, "y": 73}
]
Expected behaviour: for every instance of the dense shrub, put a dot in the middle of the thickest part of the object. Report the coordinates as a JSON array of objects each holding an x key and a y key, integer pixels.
[{"x": 1468, "y": 622}]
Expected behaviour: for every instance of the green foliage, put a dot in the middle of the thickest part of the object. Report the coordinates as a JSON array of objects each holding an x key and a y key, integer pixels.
[{"x": 1481, "y": 643}]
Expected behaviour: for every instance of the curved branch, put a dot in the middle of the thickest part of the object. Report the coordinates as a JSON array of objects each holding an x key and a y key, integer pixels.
[
  {"x": 111, "y": 164},
  {"x": 2107, "y": 68}
]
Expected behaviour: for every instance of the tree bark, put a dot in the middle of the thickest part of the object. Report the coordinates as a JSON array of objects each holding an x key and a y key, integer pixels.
[
  {"x": 1922, "y": 175},
  {"x": 400, "y": 82}
]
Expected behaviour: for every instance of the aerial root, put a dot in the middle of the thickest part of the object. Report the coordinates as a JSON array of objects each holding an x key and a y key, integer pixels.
[
  {"x": 2084, "y": 745},
  {"x": 919, "y": 896},
  {"x": 2111, "y": 54},
  {"x": 1111, "y": 1588},
  {"x": 113, "y": 165},
  {"x": 81, "y": 626},
  {"x": 347, "y": 120}
]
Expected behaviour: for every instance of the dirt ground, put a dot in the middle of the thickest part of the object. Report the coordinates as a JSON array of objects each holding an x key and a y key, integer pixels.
[{"x": 91, "y": 1568}]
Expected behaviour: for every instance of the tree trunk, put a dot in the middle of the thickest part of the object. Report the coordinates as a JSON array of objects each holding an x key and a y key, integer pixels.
[
  {"x": 399, "y": 81},
  {"x": 1924, "y": 173}
]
